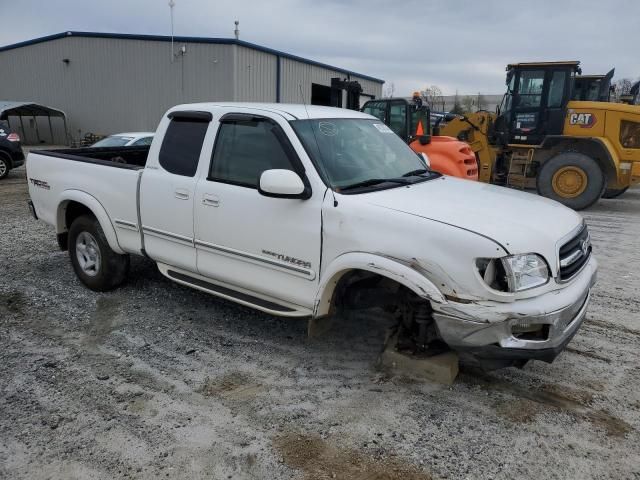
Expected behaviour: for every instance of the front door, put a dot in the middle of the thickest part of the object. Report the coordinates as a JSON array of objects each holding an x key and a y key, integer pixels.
[{"x": 269, "y": 246}]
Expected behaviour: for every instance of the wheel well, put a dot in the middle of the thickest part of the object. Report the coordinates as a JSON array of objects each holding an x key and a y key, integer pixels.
[
  {"x": 72, "y": 210},
  {"x": 589, "y": 147},
  {"x": 364, "y": 289},
  {"x": 7, "y": 156}
]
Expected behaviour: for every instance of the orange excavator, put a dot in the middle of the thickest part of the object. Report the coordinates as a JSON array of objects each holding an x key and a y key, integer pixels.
[{"x": 412, "y": 122}]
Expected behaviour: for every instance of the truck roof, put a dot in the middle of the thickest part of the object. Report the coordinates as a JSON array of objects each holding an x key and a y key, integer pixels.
[{"x": 292, "y": 111}]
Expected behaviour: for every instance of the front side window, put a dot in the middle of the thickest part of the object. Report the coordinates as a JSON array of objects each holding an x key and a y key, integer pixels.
[
  {"x": 530, "y": 89},
  {"x": 246, "y": 148},
  {"x": 181, "y": 146},
  {"x": 349, "y": 151}
]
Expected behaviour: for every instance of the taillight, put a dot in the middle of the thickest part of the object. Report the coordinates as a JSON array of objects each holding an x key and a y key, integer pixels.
[{"x": 13, "y": 137}]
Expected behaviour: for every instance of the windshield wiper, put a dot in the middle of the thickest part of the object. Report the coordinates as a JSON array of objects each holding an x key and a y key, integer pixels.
[
  {"x": 415, "y": 173},
  {"x": 375, "y": 181}
]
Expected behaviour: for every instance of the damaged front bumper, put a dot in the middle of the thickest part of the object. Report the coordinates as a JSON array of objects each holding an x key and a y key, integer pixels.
[{"x": 500, "y": 334}]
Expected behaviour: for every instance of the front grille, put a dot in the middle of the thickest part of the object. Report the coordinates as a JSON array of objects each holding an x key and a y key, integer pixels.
[{"x": 574, "y": 254}]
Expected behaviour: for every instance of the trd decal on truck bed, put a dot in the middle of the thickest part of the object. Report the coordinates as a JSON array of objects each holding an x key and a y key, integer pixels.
[
  {"x": 288, "y": 259},
  {"x": 40, "y": 184}
]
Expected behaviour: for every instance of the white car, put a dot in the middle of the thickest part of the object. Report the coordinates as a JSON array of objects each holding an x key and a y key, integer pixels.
[
  {"x": 304, "y": 211},
  {"x": 125, "y": 140}
]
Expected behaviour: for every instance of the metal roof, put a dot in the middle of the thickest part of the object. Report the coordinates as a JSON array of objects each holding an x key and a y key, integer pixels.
[
  {"x": 166, "y": 38},
  {"x": 28, "y": 108}
]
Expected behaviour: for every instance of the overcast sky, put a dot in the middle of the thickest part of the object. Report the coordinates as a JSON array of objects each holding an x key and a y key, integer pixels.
[{"x": 457, "y": 45}]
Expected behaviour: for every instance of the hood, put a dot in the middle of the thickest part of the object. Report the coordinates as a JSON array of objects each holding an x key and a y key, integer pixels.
[{"x": 520, "y": 222}]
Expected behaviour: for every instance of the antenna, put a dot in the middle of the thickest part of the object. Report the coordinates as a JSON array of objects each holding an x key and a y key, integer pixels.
[
  {"x": 324, "y": 171},
  {"x": 236, "y": 32},
  {"x": 171, "y": 5}
]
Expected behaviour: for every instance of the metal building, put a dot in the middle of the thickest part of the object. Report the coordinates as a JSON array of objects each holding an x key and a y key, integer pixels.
[{"x": 108, "y": 83}]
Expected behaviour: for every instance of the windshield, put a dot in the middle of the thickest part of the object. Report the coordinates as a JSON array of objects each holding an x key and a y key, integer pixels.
[
  {"x": 113, "y": 141},
  {"x": 349, "y": 152}
]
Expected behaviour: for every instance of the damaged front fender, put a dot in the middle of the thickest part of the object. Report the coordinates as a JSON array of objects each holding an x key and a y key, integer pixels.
[{"x": 399, "y": 272}]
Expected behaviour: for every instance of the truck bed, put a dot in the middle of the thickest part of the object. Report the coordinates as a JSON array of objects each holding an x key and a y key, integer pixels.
[{"x": 119, "y": 157}]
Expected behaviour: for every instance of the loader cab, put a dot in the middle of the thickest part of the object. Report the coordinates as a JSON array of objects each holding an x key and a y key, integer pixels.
[
  {"x": 409, "y": 120},
  {"x": 535, "y": 103}
]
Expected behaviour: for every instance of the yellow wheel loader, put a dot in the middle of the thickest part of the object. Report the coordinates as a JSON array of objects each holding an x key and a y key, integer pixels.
[{"x": 572, "y": 151}]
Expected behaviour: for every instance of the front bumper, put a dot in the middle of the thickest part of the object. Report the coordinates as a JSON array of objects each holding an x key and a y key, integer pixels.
[{"x": 498, "y": 334}]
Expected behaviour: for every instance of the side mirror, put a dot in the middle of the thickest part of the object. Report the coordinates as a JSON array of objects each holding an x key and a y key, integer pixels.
[
  {"x": 282, "y": 183},
  {"x": 425, "y": 159}
]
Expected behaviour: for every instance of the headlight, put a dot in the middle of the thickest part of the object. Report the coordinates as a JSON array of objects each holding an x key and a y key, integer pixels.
[{"x": 515, "y": 272}]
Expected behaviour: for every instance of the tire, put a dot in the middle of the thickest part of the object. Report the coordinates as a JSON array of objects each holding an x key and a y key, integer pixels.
[
  {"x": 5, "y": 166},
  {"x": 573, "y": 179},
  {"x": 614, "y": 192},
  {"x": 96, "y": 265}
]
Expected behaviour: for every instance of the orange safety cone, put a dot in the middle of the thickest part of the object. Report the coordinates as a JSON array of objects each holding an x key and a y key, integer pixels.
[{"x": 419, "y": 130}]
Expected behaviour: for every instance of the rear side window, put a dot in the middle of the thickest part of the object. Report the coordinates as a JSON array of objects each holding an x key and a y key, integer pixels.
[
  {"x": 245, "y": 149},
  {"x": 181, "y": 146}
]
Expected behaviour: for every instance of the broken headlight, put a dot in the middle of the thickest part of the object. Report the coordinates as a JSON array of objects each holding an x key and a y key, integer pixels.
[{"x": 514, "y": 273}]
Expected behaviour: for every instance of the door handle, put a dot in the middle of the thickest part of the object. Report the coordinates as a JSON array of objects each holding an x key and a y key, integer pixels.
[
  {"x": 210, "y": 200},
  {"x": 181, "y": 194}
]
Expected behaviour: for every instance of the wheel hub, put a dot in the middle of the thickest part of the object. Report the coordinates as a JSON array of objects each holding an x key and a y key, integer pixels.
[
  {"x": 569, "y": 182},
  {"x": 88, "y": 254},
  {"x": 3, "y": 167}
]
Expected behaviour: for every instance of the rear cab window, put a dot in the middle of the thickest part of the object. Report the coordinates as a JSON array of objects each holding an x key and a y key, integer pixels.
[{"x": 182, "y": 142}]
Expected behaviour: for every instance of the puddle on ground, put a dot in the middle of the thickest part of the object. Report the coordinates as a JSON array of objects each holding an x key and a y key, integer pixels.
[{"x": 318, "y": 459}]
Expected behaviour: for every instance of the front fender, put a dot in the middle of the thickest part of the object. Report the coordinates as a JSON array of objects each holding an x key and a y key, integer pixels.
[
  {"x": 391, "y": 268},
  {"x": 96, "y": 208}
]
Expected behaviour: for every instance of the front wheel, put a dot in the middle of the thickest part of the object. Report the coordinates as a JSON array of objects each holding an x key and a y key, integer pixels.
[
  {"x": 572, "y": 179},
  {"x": 614, "y": 192},
  {"x": 96, "y": 265},
  {"x": 4, "y": 166}
]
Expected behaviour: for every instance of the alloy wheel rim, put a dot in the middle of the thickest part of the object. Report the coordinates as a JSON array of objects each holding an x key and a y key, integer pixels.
[
  {"x": 88, "y": 254},
  {"x": 569, "y": 182},
  {"x": 3, "y": 167}
]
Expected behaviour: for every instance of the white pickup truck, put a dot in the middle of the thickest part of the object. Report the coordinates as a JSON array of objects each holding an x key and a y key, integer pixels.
[{"x": 303, "y": 211}]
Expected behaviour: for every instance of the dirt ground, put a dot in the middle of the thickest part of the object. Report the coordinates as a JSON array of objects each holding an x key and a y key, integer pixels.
[{"x": 155, "y": 380}]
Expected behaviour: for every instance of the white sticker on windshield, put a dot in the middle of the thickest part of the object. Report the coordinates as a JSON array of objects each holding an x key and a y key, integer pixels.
[
  {"x": 328, "y": 128},
  {"x": 382, "y": 128}
]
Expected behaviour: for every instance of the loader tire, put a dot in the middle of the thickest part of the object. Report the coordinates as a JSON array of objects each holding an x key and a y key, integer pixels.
[
  {"x": 614, "y": 192},
  {"x": 573, "y": 179},
  {"x": 96, "y": 265}
]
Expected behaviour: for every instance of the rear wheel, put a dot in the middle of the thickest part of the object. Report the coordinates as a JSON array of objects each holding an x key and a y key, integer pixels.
[
  {"x": 573, "y": 179},
  {"x": 614, "y": 192},
  {"x": 4, "y": 165},
  {"x": 96, "y": 265}
]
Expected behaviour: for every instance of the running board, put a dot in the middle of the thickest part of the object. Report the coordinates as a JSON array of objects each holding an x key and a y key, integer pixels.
[{"x": 242, "y": 297}]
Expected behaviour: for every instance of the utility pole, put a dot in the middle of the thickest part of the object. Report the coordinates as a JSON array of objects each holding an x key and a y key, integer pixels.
[
  {"x": 171, "y": 5},
  {"x": 236, "y": 31}
]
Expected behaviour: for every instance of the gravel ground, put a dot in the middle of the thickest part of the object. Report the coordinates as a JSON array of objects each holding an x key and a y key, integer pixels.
[{"x": 155, "y": 380}]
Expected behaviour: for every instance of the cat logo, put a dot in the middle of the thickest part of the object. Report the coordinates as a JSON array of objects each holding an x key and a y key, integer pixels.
[{"x": 585, "y": 120}]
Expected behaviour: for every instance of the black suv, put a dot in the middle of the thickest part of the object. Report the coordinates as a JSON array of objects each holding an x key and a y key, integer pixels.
[{"x": 11, "y": 155}]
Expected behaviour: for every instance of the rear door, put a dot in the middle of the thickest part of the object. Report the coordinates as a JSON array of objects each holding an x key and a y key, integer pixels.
[{"x": 168, "y": 187}]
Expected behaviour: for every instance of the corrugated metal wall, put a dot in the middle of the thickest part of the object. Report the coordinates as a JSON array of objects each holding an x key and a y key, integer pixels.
[
  {"x": 255, "y": 75},
  {"x": 115, "y": 85}
]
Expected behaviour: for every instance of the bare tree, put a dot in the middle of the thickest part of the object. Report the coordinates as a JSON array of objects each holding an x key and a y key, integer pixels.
[
  {"x": 433, "y": 98},
  {"x": 623, "y": 86},
  {"x": 389, "y": 90},
  {"x": 481, "y": 103}
]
